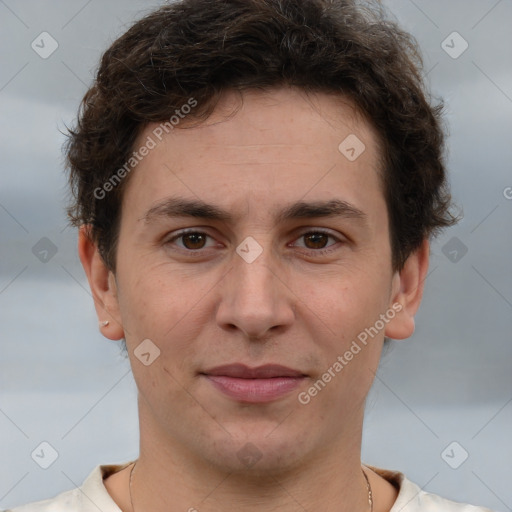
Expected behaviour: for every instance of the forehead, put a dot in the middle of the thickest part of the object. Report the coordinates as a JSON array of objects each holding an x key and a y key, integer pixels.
[
  {"x": 280, "y": 118},
  {"x": 272, "y": 146}
]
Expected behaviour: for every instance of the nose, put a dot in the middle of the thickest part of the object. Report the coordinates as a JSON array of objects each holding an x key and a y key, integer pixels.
[{"x": 255, "y": 297}]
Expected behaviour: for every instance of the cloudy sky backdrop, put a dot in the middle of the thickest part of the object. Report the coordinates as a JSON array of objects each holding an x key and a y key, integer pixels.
[{"x": 62, "y": 383}]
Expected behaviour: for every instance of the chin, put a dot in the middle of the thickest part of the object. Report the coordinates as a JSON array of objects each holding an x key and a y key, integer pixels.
[{"x": 260, "y": 452}]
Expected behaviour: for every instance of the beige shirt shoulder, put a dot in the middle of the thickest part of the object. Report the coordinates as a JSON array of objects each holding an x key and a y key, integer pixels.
[{"x": 92, "y": 496}]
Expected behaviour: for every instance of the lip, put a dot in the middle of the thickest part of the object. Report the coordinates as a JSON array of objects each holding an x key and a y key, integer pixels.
[
  {"x": 241, "y": 371},
  {"x": 254, "y": 385}
]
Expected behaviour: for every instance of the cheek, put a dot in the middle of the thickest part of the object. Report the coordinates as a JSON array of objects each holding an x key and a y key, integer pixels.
[
  {"x": 349, "y": 300},
  {"x": 350, "y": 306},
  {"x": 168, "y": 311},
  {"x": 151, "y": 299}
]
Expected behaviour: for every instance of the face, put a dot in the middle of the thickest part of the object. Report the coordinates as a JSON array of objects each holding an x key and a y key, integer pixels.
[{"x": 290, "y": 266}]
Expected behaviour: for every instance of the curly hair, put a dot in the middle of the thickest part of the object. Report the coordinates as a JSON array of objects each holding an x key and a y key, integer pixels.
[{"x": 200, "y": 49}]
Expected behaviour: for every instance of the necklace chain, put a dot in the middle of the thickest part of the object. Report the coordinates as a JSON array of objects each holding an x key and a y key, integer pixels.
[
  {"x": 368, "y": 487},
  {"x": 130, "y": 486}
]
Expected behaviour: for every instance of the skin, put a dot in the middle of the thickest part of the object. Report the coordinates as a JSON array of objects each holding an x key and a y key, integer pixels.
[{"x": 290, "y": 306}]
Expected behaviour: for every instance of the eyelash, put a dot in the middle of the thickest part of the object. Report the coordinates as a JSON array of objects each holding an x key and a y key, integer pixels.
[{"x": 199, "y": 252}]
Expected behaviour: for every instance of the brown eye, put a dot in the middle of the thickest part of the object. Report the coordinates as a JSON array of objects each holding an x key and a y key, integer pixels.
[
  {"x": 317, "y": 240},
  {"x": 193, "y": 240}
]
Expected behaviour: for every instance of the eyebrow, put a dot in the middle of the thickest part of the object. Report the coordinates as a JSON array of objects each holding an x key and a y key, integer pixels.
[{"x": 180, "y": 207}]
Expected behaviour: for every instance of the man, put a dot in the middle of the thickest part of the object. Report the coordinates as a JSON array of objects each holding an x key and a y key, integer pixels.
[{"x": 256, "y": 183}]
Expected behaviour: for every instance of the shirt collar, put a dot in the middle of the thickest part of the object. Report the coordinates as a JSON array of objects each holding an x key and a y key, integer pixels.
[{"x": 94, "y": 490}]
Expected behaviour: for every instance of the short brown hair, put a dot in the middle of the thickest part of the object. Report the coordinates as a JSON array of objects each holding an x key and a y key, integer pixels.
[{"x": 199, "y": 49}]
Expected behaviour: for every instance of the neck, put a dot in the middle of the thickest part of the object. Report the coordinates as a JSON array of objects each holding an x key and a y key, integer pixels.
[{"x": 167, "y": 473}]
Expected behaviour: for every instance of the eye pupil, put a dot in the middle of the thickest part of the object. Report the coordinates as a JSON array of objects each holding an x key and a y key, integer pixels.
[
  {"x": 195, "y": 237},
  {"x": 317, "y": 239}
]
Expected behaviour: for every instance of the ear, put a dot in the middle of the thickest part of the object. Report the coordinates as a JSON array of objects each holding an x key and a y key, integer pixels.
[
  {"x": 103, "y": 285},
  {"x": 407, "y": 290}
]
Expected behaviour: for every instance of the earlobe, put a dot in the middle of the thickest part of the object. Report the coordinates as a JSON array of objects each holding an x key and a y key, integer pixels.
[
  {"x": 103, "y": 286},
  {"x": 408, "y": 285}
]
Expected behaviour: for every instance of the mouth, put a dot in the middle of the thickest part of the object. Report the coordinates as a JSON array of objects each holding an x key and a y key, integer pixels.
[{"x": 254, "y": 385}]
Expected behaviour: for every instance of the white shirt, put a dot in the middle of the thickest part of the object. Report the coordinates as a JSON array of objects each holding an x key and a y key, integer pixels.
[{"x": 92, "y": 496}]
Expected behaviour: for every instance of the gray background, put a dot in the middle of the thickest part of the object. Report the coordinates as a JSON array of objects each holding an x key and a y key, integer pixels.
[{"x": 63, "y": 383}]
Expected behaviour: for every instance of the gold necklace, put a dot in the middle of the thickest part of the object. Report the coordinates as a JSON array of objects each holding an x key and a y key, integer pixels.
[{"x": 368, "y": 487}]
